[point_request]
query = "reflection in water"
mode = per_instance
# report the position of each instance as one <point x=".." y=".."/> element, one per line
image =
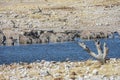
<point x="54" y="52"/>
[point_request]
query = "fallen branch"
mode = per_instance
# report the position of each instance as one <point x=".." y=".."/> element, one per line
<point x="101" y="56"/>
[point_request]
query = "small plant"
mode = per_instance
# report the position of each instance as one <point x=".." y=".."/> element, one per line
<point x="101" y="56"/>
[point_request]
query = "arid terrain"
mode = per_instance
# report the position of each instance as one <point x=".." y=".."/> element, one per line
<point x="59" y="15"/>
<point x="45" y="70"/>
<point x="88" y="17"/>
<point x="43" y="21"/>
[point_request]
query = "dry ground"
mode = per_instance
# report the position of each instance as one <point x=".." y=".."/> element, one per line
<point x="95" y="15"/>
<point x="60" y="70"/>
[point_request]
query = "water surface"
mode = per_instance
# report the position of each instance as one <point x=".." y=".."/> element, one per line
<point x="54" y="51"/>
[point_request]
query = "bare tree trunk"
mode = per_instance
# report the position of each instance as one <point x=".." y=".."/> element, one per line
<point x="101" y="56"/>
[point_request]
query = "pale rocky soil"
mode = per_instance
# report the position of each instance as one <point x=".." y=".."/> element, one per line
<point x="45" y="70"/>
<point x="60" y="15"/>
<point x="88" y="16"/>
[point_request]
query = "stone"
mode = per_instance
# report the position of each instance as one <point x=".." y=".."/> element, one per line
<point x="2" y="38"/>
<point x="44" y="38"/>
<point x="112" y="78"/>
<point x="86" y="77"/>
<point x="13" y="15"/>
<point x="44" y="73"/>
<point x="42" y="61"/>
<point x="79" y="78"/>
<point x="24" y="40"/>
<point x="9" y="42"/>
<point x="95" y="72"/>
<point x="59" y="78"/>
<point x="53" y="38"/>
<point x="46" y="64"/>
<point x="56" y="75"/>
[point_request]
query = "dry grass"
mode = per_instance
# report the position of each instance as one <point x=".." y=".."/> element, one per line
<point x="76" y="69"/>
<point x="95" y="15"/>
<point x="35" y="16"/>
<point x="32" y="5"/>
<point x="61" y="8"/>
<point x="61" y="5"/>
<point x="106" y="2"/>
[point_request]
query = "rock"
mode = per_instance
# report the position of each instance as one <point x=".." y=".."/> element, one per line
<point x="73" y="73"/>
<point x="24" y="40"/>
<point x="2" y="77"/>
<point x="24" y="74"/>
<point x="46" y="64"/>
<point x="86" y="77"/>
<point x="34" y="41"/>
<point x="72" y="78"/>
<point x="112" y="78"/>
<point x="2" y="38"/>
<point x="79" y="78"/>
<point x="53" y="62"/>
<point x="53" y="38"/>
<point x="44" y="38"/>
<point x="56" y="75"/>
<point x="9" y="42"/>
<point x="58" y="78"/>
<point x="90" y="75"/>
<point x="93" y="35"/>
<point x="44" y="73"/>
<point x="105" y="78"/>
<point x="2" y="15"/>
<point x="88" y="68"/>
<point x="85" y="34"/>
<point x="61" y="37"/>
<point x="71" y="36"/>
<point x="42" y="61"/>
<point x="95" y="72"/>
<point x="13" y="15"/>
<point x="33" y="33"/>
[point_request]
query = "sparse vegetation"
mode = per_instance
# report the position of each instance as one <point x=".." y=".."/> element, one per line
<point x="37" y="17"/>
<point x="61" y="70"/>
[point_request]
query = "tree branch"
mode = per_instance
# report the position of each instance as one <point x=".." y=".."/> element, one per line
<point x="88" y="50"/>
<point x="101" y="56"/>
<point x="97" y="43"/>
<point x="105" y="52"/>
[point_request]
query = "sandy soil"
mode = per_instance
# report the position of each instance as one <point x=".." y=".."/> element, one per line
<point x="44" y="70"/>
<point x="60" y="15"/>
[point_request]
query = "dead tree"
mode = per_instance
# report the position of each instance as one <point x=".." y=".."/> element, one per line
<point x="101" y="56"/>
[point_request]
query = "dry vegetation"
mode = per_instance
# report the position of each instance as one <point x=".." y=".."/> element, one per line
<point x="80" y="14"/>
<point x="61" y="70"/>
<point x="95" y="15"/>
<point x="17" y="6"/>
